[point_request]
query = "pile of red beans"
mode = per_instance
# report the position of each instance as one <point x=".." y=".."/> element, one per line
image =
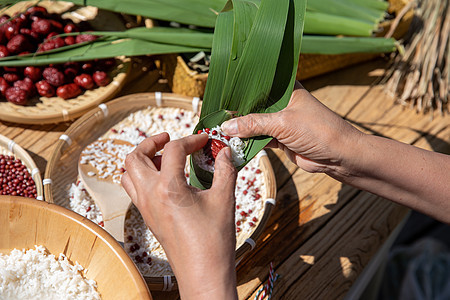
<point x="15" y="180"/>
<point x="36" y="30"/>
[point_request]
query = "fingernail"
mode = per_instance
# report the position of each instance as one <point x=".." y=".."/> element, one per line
<point x="230" y="127"/>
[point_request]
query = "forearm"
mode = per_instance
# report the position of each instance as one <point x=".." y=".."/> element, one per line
<point x="407" y="175"/>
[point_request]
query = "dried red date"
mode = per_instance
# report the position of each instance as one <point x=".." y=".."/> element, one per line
<point x="42" y="26"/>
<point x="13" y="69"/>
<point x="69" y="40"/>
<point x="33" y="36"/>
<point x="70" y="27"/>
<point x="87" y="67"/>
<point x="27" y="85"/>
<point x="3" y="85"/>
<point x="85" y="38"/>
<point x="50" y="45"/>
<point x="101" y="78"/>
<point x="105" y="64"/>
<point x="56" y="26"/>
<point x="37" y="8"/>
<point x="68" y="91"/>
<point x="11" y="77"/>
<point x="34" y="73"/>
<point x="53" y="76"/>
<point x="85" y="81"/>
<point x="10" y="30"/>
<point x="18" y="44"/>
<point x="45" y="89"/>
<point x="16" y="95"/>
<point x="3" y="51"/>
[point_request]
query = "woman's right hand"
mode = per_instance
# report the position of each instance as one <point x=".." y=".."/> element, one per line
<point x="314" y="145"/>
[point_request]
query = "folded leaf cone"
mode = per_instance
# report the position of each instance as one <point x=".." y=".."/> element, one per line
<point x="254" y="58"/>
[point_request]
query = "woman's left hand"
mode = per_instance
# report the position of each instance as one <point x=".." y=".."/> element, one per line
<point x="196" y="228"/>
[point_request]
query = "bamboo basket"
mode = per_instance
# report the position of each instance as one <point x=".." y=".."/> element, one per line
<point x="43" y="110"/>
<point x="61" y="169"/>
<point x="9" y="147"/>
<point x="185" y="81"/>
<point x="26" y="222"/>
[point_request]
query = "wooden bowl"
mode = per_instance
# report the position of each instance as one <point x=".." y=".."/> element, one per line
<point x="9" y="147"/>
<point x="27" y="222"/>
<point x="62" y="171"/>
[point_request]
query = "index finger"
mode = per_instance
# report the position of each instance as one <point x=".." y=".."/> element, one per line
<point x="141" y="158"/>
<point x="175" y="152"/>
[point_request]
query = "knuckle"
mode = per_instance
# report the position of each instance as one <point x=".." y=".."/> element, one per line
<point x="130" y="159"/>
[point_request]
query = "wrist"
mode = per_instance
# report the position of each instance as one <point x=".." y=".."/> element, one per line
<point x="351" y="149"/>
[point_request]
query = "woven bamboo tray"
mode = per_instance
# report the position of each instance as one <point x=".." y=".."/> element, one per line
<point x="61" y="169"/>
<point x="26" y="222"/>
<point x="43" y="110"/>
<point x="9" y="147"/>
<point x="185" y="81"/>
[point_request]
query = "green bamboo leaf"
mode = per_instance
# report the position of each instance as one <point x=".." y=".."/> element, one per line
<point x="327" y="24"/>
<point x="164" y="35"/>
<point x="199" y="177"/>
<point x="103" y="49"/>
<point x="346" y="9"/>
<point x="265" y="74"/>
<point x="223" y="34"/>
<point x="195" y="12"/>
<point x="342" y="45"/>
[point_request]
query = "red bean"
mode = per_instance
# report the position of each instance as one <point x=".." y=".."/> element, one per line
<point x="13" y="183"/>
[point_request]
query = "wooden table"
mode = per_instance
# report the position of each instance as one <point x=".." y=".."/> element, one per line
<point x="322" y="233"/>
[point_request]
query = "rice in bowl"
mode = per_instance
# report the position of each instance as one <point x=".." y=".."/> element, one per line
<point x="37" y="274"/>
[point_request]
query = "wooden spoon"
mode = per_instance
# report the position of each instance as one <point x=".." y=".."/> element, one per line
<point x="107" y="192"/>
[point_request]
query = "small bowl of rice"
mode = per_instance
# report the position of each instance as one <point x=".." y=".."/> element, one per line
<point x="50" y="252"/>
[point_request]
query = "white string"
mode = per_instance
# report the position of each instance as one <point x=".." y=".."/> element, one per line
<point x="168" y="285"/>
<point x="158" y="98"/>
<point x="65" y="114"/>
<point x="271" y="201"/>
<point x="66" y="138"/>
<point x="34" y="172"/>
<point x="104" y="108"/>
<point x="251" y="242"/>
<point x="11" y="145"/>
<point x="195" y="103"/>
<point x="47" y="181"/>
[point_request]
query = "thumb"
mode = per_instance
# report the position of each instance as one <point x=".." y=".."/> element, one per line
<point x="224" y="173"/>
<point x="250" y="125"/>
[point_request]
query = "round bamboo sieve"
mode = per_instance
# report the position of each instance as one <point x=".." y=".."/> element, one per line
<point x="45" y="110"/>
<point x="26" y="222"/>
<point x="9" y="147"/>
<point x="61" y="169"/>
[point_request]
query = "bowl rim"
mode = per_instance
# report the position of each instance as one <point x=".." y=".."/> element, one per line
<point x="90" y="226"/>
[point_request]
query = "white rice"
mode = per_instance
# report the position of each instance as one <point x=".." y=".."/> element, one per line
<point x="36" y="274"/>
<point x="236" y="145"/>
<point x="140" y="243"/>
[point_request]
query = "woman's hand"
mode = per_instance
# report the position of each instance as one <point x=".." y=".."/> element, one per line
<point x="196" y="228"/>
<point x="318" y="140"/>
<point x="310" y="134"/>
